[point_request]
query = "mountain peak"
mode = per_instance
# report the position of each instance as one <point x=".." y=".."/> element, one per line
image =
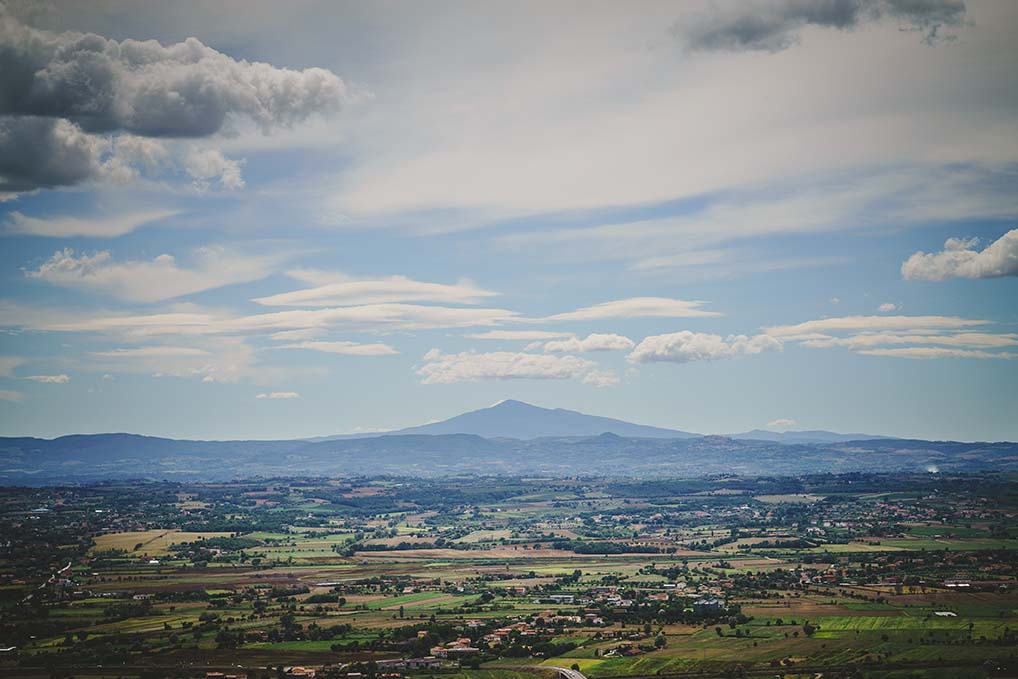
<point x="510" y="418"/>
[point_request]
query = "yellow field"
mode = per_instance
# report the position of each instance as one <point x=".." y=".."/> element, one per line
<point x="792" y="498"/>
<point x="153" y="542"/>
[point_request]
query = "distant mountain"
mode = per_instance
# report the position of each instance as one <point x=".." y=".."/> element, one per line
<point x="814" y="436"/>
<point x="519" y="420"/>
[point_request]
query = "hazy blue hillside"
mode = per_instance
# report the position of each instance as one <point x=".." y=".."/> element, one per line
<point x="813" y="436"/>
<point x="99" y="457"/>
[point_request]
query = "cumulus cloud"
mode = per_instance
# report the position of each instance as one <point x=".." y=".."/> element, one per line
<point x="782" y="424"/>
<point x="347" y="348"/>
<point x="97" y="227"/>
<point x="601" y="378"/>
<point x="279" y="395"/>
<point x="960" y="258"/>
<point x="64" y="97"/>
<point x="887" y="307"/>
<point x="185" y="89"/>
<point x="11" y="395"/>
<point x="774" y="25"/>
<point x="208" y="165"/>
<point x="686" y="347"/>
<point x="472" y="366"/>
<point x="593" y="342"/>
<point x="49" y="379"/>
<point x="157" y="279"/>
<point x="331" y="289"/>
<point x="636" y="307"/>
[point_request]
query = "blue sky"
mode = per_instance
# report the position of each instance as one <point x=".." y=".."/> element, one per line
<point x="712" y="217"/>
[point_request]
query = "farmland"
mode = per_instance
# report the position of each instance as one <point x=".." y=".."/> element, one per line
<point x="857" y="575"/>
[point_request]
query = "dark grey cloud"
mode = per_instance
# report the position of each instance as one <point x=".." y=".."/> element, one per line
<point x="43" y="152"/>
<point x="63" y="96"/>
<point x="773" y="25"/>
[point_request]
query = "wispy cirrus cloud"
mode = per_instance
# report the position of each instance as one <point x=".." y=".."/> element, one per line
<point x="927" y="353"/>
<point x="63" y="226"/>
<point x="927" y="337"/>
<point x="346" y="348"/>
<point x="332" y="289"/>
<point x="636" y="307"/>
<point x="49" y="379"/>
<point x="519" y="335"/>
<point x="153" y="280"/>
<point x="774" y="25"/>
<point x="472" y="366"/>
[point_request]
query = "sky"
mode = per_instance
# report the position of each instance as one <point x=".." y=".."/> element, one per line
<point x="277" y="220"/>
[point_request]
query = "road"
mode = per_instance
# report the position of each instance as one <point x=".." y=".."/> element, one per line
<point x="563" y="672"/>
<point x="49" y="581"/>
<point x="566" y="673"/>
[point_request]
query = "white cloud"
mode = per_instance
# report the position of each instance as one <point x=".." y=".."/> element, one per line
<point x="8" y="364"/>
<point x="471" y="366"/>
<point x="157" y="279"/>
<point x="49" y="379"/>
<point x="865" y="323"/>
<point x="347" y="348"/>
<point x="593" y="342"/>
<point x="636" y="307"/>
<point x="205" y="165"/>
<point x="522" y="335"/>
<point x="195" y="321"/>
<point x="96" y="227"/>
<point x="686" y="347"/>
<point x="782" y="424"/>
<point x="210" y="359"/>
<point x="874" y="339"/>
<point x="887" y="307"/>
<point x="961" y="259"/>
<point x="937" y="352"/>
<point x="601" y="378"/>
<point x="11" y="395"/>
<point x="815" y="205"/>
<point x="926" y="337"/>
<point x="279" y="395"/>
<point x="160" y="351"/>
<point x="337" y="290"/>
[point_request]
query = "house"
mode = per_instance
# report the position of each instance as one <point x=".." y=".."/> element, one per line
<point x="708" y="605"/>
<point x="426" y="663"/>
<point x="391" y="664"/>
